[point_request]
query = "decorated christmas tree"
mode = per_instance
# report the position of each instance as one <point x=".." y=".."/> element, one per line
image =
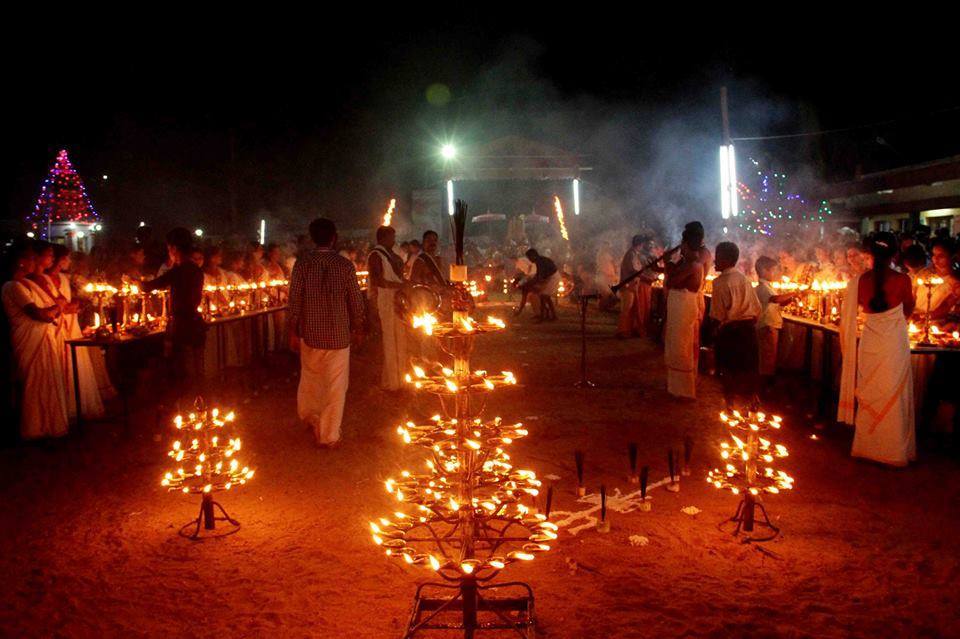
<point x="63" y="198"/>
<point x="769" y="205"/>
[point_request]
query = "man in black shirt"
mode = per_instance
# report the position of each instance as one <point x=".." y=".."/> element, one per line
<point x="185" y="330"/>
<point x="544" y="283"/>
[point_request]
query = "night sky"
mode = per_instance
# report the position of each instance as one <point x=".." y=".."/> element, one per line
<point x="218" y="123"/>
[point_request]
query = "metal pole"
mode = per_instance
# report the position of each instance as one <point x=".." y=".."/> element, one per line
<point x="725" y="115"/>
<point x="468" y="590"/>
<point x="583" y="382"/>
<point x="209" y="521"/>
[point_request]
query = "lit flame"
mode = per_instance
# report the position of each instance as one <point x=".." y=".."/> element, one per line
<point x="425" y="322"/>
<point x="388" y="216"/>
<point x="563" y="225"/>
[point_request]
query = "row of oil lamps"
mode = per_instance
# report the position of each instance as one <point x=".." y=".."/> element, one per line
<point x="237" y="299"/>
<point x="125" y="309"/>
<point x="821" y="301"/>
<point x="128" y="309"/>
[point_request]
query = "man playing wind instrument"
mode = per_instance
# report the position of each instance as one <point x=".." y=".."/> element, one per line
<point x="684" y="284"/>
<point x="635" y="296"/>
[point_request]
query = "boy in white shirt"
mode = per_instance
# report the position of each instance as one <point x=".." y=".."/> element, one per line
<point x="770" y="322"/>
<point x="735" y="308"/>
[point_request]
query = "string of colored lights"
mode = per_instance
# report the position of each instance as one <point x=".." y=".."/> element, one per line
<point x="770" y="207"/>
<point x="63" y="198"/>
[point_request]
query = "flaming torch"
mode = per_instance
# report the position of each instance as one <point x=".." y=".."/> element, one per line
<point x="470" y="513"/>
<point x="563" y="225"/>
<point x="205" y="459"/>
<point x="749" y="469"/>
<point x="388" y="216"/>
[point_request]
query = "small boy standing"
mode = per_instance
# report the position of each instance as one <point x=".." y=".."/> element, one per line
<point x="735" y="308"/>
<point x="771" y="321"/>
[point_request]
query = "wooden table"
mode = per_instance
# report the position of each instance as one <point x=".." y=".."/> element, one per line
<point x="122" y="340"/>
<point x="829" y="334"/>
<point x="258" y="318"/>
<point x="119" y="340"/>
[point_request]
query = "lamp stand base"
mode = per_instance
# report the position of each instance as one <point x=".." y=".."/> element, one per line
<point x="208" y="518"/>
<point x="747" y="521"/>
<point x="467" y="609"/>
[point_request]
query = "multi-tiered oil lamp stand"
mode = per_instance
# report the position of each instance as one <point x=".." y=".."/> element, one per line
<point x="748" y="470"/>
<point x="512" y="609"/>
<point x="470" y="515"/>
<point x="750" y="502"/>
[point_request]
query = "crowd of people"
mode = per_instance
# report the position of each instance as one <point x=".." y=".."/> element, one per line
<point x="744" y="320"/>
<point x="328" y="312"/>
<point x="882" y="276"/>
<point x="832" y="260"/>
<point x="46" y="304"/>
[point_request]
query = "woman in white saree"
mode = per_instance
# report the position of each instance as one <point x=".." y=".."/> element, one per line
<point x="58" y="284"/>
<point x="38" y="354"/>
<point x="876" y="390"/>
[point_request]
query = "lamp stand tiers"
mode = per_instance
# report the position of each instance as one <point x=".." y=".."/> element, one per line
<point x="748" y="471"/>
<point x="477" y="612"/>
<point x="747" y="521"/>
<point x="208" y="518"/>
<point x="466" y="519"/>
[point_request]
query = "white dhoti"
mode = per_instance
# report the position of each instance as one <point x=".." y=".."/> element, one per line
<point x="552" y="285"/>
<point x="394" y="337"/>
<point x="848" y="353"/>
<point x="682" y="342"/>
<point x="324" y="377"/>
<point x="884" y="391"/>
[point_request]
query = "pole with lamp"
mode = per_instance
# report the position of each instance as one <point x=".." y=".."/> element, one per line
<point x="729" y="205"/>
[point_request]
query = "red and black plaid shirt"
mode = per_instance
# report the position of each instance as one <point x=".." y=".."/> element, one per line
<point x="325" y="300"/>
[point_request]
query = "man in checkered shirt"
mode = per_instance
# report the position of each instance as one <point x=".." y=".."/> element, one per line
<point x="325" y="309"/>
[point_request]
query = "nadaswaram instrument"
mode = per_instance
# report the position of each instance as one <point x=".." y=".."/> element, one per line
<point x="616" y="287"/>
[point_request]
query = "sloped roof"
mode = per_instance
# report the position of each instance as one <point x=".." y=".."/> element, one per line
<point x="517" y="158"/>
<point x="931" y="185"/>
<point x="902" y="177"/>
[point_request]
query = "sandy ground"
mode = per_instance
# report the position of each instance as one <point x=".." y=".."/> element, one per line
<point x="89" y="544"/>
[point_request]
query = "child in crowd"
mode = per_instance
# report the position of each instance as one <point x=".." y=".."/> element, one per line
<point x="771" y="321"/>
<point x="735" y="308"/>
